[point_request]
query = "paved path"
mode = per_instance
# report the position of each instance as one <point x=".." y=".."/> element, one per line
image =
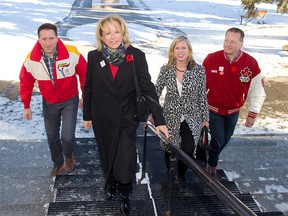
<point x="82" y="13"/>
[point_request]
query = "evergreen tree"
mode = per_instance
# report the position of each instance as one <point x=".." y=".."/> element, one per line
<point x="250" y="5"/>
<point x="282" y="6"/>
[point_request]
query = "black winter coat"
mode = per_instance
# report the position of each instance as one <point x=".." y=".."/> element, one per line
<point x="111" y="105"/>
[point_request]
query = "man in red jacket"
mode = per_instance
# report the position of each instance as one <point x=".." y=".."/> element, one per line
<point x="232" y="76"/>
<point x="55" y="67"/>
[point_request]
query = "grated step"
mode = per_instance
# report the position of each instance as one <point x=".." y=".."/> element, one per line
<point x="194" y="189"/>
<point x="96" y="180"/>
<point x="103" y="208"/>
<point x="85" y="151"/>
<point x="140" y="192"/>
<point x="201" y="205"/>
<point x="270" y="214"/>
<point x="86" y="169"/>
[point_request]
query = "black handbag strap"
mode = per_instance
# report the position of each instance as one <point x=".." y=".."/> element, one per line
<point x="204" y="135"/>
<point x="138" y="89"/>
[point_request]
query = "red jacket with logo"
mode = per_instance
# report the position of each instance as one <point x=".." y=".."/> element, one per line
<point x="230" y="84"/>
<point x="68" y="65"/>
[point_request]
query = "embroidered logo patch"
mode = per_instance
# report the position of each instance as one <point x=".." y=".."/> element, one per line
<point x="63" y="68"/>
<point x="221" y="70"/>
<point x="245" y="75"/>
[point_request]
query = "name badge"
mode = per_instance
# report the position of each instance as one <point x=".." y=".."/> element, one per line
<point x="102" y="63"/>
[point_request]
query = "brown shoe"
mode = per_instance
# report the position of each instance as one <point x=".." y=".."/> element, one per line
<point x="56" y="170"/>
<point x="69" y="163"/>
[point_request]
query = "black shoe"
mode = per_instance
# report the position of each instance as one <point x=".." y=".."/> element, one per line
<point x="215" y="175"/>
<point x="111" y="193"/>
<point x="124" y="204"/>
<point x="181" y="182"/>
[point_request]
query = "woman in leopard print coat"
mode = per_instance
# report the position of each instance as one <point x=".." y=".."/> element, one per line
<point x="185" y="106"/>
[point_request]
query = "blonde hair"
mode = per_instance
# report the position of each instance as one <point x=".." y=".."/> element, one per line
<point x="111" y="18"/>
<point x="171" y="58"/>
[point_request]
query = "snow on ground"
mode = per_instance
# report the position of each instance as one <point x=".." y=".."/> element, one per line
<point x="203" y="21"/>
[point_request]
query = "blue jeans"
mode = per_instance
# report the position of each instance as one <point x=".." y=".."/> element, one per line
<point x="62" y="115"/>
<point x="222" y="128"/>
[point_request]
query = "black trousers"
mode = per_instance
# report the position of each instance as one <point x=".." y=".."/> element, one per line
<point x="187" y="145"/>
<point x="125" y="189"/>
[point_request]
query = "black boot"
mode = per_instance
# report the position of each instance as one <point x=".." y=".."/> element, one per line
<point x="181" y="182"/>
<point x="181" y="170"/>
<point x="111" y="193"/>
<point x="124" y="204"/>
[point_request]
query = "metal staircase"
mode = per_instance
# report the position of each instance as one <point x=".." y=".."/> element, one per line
<point x="81" y="193"/>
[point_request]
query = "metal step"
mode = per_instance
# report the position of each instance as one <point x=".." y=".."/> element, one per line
<point x="201" y="205"/>
<point x="68" y="194"/>
<point x="79" y="181"/>
<point x="86" y="151"/>
<point x="103" y="208"/>
<point x="86" y="169"/>
<point x="270" y="214"/>
<point x="181" y="205"/>
<point x="194" y="189"/>
<point x="199" y="199"/>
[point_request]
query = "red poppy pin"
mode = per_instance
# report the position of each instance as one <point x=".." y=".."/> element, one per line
<point x="129" y="58"/>
<point x="233" y="69"/>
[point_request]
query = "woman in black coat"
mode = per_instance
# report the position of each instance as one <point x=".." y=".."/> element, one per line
<point x="110" y="104"/>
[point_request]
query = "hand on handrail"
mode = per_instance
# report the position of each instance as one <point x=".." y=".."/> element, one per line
<point x="160" y="134"/>
<point x="162" y="129"/>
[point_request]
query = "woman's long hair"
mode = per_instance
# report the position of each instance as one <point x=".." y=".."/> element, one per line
<point x="110" y="18"/>
<point x="171" y="58"/>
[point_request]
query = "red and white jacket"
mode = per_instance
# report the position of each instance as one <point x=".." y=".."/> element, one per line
<point x="69" y="63"/>
<point x="230" y="84"/>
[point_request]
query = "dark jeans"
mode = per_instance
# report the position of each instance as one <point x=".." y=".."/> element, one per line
<point x="62" y="115"/>
<point x="222" y="128"/>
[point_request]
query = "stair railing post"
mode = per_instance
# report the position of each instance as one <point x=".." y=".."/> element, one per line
<point x="143" y="173"/>
<point x="170" y="179"/>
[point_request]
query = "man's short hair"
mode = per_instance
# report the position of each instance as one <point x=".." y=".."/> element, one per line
<point x="236" y="30"/>
<point x="47" y="26"/>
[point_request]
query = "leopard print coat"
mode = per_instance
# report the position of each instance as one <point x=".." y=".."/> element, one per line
<point x="192" y="104"/>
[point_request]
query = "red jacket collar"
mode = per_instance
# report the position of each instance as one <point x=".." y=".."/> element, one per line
<point x="36" y="53"/>
<point x="237" y="57"/>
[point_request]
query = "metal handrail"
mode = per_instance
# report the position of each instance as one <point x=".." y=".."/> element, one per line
<point x="237" y="206"/>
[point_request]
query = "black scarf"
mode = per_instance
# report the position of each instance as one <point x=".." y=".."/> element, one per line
<point x="114" y="58"/>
